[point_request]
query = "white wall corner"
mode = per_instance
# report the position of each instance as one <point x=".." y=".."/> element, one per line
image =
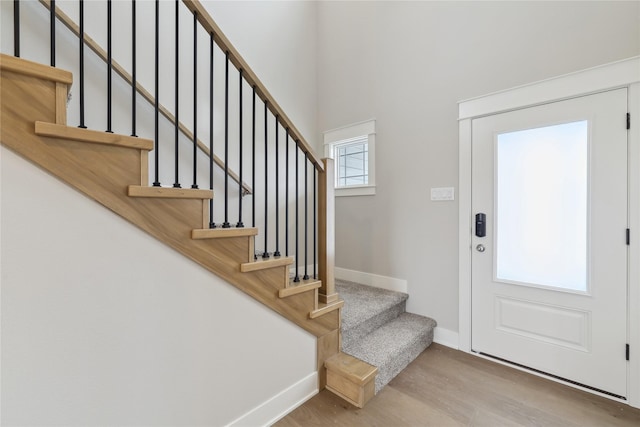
<point x="375" y="280"/>
<point x="281" y="404"/>
<point x="445" y="337"/>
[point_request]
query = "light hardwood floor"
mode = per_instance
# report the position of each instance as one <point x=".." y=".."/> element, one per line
<point x="446" y="387"/>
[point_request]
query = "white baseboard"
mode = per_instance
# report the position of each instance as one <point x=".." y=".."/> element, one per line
<point x="281" y="404"/>
<point x="375" y="280"/>
<point x="445" y="337"/>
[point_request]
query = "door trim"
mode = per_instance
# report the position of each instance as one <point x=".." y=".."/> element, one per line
<point x="597" y="79"/>
<point x="625" y="73"/>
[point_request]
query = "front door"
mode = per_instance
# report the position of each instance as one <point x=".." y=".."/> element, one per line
<point x="549" y="263"/>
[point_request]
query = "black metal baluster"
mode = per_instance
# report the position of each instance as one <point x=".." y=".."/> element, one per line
<point x="297" y="277"/>
<point x="266" y="181"/>
<point x="211" y="223"/>
<point x="253" y="160"/>
<point x="286" y="195"/>
<point x="195" y="101"/>
<point x="241" y="81"/>
<point x="226" y="144"/>
<point x="133" y="68"/>
<point x="277" y="252"/>
<point x="81" y="65"/>
<point x="156" y="183"/>
<point x="306" y="217"/>
<point x="52" y="19"/>
<point x="315" y="223"/>
<point x="16" y="28"/>
<point x="176" y="127"/>
<point x="109" y="66"/>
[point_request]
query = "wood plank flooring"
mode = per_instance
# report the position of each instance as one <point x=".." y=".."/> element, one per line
<point x="446" y="387"/>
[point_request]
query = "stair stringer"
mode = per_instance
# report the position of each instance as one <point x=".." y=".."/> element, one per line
<point x="104" y="173"/>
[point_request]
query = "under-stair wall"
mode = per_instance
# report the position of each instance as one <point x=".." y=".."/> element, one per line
<point x="103" y="325"/>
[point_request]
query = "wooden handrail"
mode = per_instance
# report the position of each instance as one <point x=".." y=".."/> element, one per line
<point x="234" y="56"/>
<point x="95" y="47"/>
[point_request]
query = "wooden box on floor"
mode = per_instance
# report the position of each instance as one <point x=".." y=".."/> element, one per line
<point x="351" y="378"/>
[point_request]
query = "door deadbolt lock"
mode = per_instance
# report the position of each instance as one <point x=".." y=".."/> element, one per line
<point x="480" y="248"/>
<point x="481" y="225"/>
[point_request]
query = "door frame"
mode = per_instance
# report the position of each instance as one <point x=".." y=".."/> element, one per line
<point x="620" y="74"/>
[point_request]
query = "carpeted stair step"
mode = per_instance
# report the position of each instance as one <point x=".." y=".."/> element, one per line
<point x="367" y="308"/>
<point x="377" y="330"/>
<point x="394" y="345"/>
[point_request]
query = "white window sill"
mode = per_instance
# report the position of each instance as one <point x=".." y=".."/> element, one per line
<point x="362" y="190"/>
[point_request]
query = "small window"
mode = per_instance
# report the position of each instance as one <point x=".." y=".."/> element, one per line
<point x="352" y="163"/>
<point x="352" y="148"/>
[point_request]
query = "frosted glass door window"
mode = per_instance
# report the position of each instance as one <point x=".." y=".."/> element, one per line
<point x="541" y="206"/>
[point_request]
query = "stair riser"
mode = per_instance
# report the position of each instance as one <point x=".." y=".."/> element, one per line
<point x="359" y="331"/>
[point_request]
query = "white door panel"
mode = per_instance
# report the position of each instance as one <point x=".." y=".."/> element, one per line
<point x="549" y="289"/>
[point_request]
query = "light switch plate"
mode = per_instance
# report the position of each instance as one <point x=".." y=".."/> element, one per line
<point x="442" y="194"/>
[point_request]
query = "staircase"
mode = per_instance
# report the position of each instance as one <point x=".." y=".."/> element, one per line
<point x="377" y="336"/>
<point x="376" y="330"/>
<point x="112" y="170"/>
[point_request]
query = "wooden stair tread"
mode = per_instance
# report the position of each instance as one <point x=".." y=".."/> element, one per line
<point x="262" y="264"/>
<point x="326" y="308"/>
<point x="351" y="367"/>
<point x="34" y="69"/>
<point x="91" y="136"/>
<point x="295" y="288"/>
<point x="221" y="233"/>
<point x="169" y="192"/>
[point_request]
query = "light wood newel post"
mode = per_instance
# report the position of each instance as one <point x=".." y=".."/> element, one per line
<point x="326" y="233"/>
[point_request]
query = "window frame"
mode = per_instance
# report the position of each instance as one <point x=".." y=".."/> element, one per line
<point x="359" y="132"/>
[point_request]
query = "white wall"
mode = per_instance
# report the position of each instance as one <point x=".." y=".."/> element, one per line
<point x="406" y="64"/>
<point x="102" y="325"/>
<point x="278" y="39"/>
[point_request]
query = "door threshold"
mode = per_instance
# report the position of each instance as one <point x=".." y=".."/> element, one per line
<point x="552" y="377"/>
